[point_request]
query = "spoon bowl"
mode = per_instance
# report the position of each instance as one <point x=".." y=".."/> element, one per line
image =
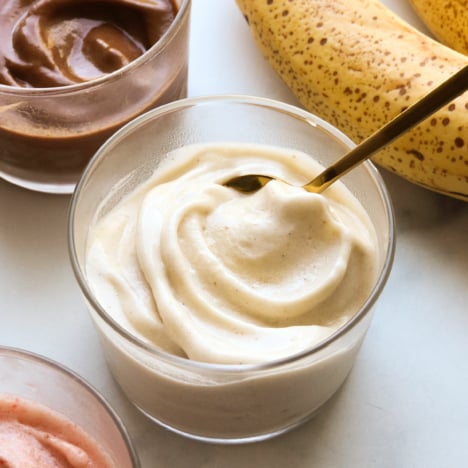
<point x="406" y="120"/>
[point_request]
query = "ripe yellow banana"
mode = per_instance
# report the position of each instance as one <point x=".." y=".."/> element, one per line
<point x="357" y="65"/>
<point x="447" y="20"/>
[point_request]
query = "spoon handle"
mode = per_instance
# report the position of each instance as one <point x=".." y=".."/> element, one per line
<point x="434" y="100"/>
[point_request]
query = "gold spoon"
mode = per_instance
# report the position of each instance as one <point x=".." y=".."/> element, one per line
<point x="434" y="100"/>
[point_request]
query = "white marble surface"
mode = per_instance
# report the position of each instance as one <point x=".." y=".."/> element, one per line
<point x="406" y="401"/>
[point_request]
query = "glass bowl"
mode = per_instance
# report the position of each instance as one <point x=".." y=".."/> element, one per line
<point x="33" y="377"/>
<point x="48" y="135"/>
<point x="215" y="402"/>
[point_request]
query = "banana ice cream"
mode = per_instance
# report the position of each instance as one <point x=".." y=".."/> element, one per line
<point x="211" y="274"/>
<point x="215" y="304"/>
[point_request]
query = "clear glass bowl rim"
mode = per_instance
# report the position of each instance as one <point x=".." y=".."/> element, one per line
<point x="274" y="105"/>
<point x="23" y="354"/>
<point x="155" y="49"/>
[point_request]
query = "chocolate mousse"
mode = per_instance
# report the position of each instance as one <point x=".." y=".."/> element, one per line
<point x="47" y="136"/>
<point x="46" y="43"/>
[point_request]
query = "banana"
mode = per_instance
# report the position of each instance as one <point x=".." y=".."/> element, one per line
<point x="357" y="65"/>
<point x="446" y="19"/>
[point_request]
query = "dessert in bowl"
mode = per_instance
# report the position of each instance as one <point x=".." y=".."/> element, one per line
<point x="73" y="73"/>
<point x="49" y="416"/>
<point x="225" y="316"/>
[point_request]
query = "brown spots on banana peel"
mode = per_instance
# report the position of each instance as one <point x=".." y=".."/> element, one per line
<point x="447" y="20"/>
<point x="357" y="65"/>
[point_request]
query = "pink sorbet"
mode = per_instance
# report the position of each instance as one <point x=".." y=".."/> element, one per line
<point x="34" y="436"/>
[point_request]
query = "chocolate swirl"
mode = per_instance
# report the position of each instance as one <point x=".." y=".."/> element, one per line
<point x="47" y="43"/>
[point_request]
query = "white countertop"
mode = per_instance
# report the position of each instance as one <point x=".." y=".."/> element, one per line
<point x="405" y="403"/>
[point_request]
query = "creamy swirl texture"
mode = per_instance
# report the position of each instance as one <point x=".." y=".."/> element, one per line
<point x="46" y="43"/>
<point x="32" y="435"/>
<point x="211" y="274"/>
